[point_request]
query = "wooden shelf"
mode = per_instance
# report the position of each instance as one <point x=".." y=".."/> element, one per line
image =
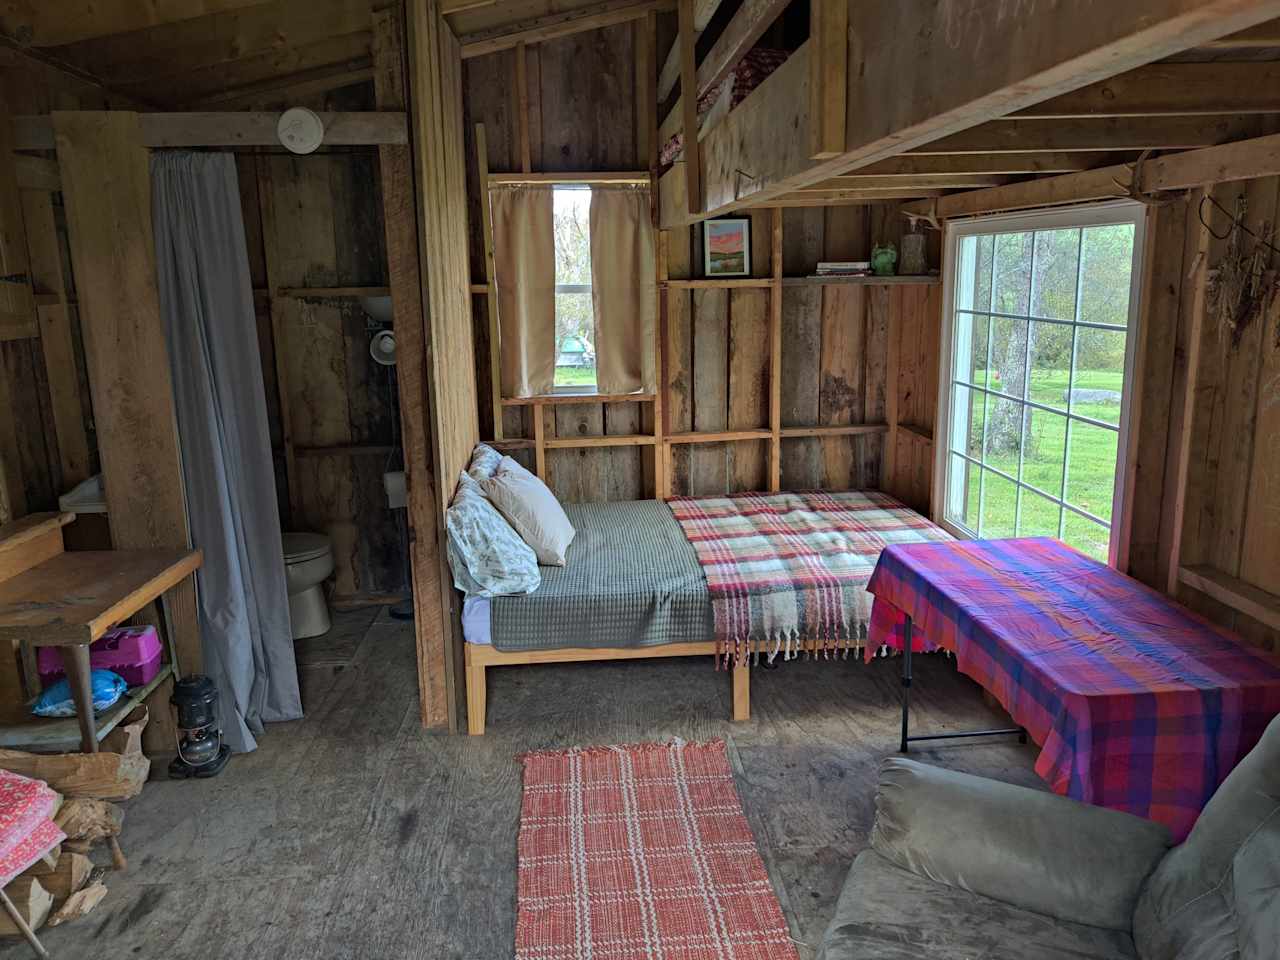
<point x="721" y="437"/>
<point x="561" y="398"/>
<point x="1233" y="592"/>
<point x="920" y="433"/>
<point x="863" y="281"/>
<point x="332" y="293"/>
<point x="617" y="440"/>
<point x="723" y="283"/>
<point x="62" y="734"/>
<point x="842" y="430"/>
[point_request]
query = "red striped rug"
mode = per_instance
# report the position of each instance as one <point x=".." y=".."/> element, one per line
<point x="641" y="852"/>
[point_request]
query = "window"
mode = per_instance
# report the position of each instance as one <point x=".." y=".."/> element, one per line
<point x="575" y="323"/>
<point x="1040" y="340"/>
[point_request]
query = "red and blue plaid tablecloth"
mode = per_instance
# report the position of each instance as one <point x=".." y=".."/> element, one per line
<point x="1138" y="704"/>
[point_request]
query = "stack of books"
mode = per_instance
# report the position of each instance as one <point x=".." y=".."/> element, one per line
<point x="844" y="268"/>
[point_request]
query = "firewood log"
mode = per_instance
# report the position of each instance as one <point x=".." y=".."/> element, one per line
<point x="103" y="776"/>
<point x="79" y="903"/>
<point x="84" y="819"/>
<point x="69" y="875"/>
<point x="33" y="902"/>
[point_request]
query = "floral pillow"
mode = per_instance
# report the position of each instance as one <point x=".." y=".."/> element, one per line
<point x="488" y="557"/>
<point x="484" y="462"/>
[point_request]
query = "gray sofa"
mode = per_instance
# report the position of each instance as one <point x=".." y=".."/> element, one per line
<point x="965" y="868"/>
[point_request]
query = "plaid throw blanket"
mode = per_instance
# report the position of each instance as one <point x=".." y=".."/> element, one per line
<point x="787" y="570"/>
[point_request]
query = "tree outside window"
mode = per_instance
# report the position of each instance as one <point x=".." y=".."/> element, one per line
<point x="575" y="320"/>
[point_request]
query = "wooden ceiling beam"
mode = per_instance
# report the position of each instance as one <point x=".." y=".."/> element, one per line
<point x="306" y="83"/>
<point x="231" y="130"/>
<point x="143" y="55"/>
<point x="935" y="181"/>
<point x="913" y="165"/>
<point x="53" y="23"/>
<point x="1171" y="89"/>
<point x="1263" y="35"/>
<point x="1107" y="133"/>
<point x="965" y="71"/>
<point x="748" y="25"/>
<point x="189" y="88"/>
<point x="1245" y="160"/>
<point x="703" y="11"/>
<point x="555" y="25"/>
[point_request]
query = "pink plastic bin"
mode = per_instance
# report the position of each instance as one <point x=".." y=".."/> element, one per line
<point x="132" y="652"/>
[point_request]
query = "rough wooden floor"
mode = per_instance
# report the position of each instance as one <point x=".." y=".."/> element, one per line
<point x="351" y="834"/>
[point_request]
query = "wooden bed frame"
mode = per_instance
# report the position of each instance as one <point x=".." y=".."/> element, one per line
<point x="480" y="656"/>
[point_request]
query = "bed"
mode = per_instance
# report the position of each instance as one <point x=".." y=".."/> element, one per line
<point x="653" y="579"/>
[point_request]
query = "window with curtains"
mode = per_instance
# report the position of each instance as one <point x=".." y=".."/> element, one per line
<point x="1040" y="339"/>
<point x="575" y="317"/>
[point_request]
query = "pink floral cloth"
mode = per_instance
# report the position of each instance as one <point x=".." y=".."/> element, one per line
<point x="26" y="832"/>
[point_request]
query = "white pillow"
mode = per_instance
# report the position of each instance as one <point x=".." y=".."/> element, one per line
<point x="532" y="510"/>
<point x="488" y="557"/>
<point x="484" y="462"/>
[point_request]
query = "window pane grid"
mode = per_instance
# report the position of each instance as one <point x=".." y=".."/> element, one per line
<point x="1021" y="285"/>
<point x="1091" y="324"/>
<point x="1035" y="404"/>
<point x="986" y="468"/>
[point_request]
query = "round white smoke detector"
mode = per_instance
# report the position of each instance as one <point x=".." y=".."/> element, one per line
<point x="383" y="348"/>
<point x="300" y="130"/>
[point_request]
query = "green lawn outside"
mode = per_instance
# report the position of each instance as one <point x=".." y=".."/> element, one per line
<point x="575" y="376"/>
<point x="1089" y="464"/>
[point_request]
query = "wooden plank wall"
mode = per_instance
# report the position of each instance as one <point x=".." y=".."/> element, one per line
<point x="316" y="222"/>
<point x="1229" y="529"/>
<point x="42" y="372"/>
<point x="835" y="339"/>
<point x="571" y="125"/>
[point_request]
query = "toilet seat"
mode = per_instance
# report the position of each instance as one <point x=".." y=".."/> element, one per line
<point x="301" y="547"/>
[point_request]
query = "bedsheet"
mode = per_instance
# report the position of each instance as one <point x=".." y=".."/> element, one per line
<point x="631" y="579"/>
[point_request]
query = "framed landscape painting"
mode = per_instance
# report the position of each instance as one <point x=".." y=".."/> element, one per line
<point x="726" y="247"/>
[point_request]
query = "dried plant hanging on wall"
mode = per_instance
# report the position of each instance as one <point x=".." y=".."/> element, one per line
<point x="1241" y="288"/>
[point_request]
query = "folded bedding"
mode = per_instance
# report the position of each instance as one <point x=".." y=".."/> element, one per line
<point x="631" y="578"/>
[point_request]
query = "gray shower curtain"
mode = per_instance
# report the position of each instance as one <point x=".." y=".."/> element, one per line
<point x="206" y="298"/>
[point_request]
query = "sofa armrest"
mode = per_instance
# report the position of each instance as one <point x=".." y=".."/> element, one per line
<point x="1030" y="848"/>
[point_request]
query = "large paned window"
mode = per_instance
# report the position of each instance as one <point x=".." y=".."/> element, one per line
<point x="1040" y="336"/>
<point x="575" y="320"/>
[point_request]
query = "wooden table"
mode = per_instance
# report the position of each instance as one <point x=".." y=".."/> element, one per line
<point x="50" y="598"/>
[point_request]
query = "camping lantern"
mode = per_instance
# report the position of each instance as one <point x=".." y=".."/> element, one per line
<point x="201" y="752"/>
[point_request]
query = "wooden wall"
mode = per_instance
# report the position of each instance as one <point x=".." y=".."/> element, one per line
<point x="837" y="339"/>
<point x="47" y="443"/>
<point x="1205" y="507"/>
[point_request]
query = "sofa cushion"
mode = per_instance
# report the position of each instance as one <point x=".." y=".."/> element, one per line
<point x="1030" y="848"/>
<point x="887" y="913"/>
<point x="1218" y="895"/>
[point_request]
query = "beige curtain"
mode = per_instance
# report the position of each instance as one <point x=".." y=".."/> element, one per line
<point x="623" y="289"/>
<point x="524" y="265"/>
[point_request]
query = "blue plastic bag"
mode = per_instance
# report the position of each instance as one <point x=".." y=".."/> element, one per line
<point x="56" y="701"/>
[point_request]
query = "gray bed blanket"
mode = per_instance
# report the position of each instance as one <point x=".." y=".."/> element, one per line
<point x="632" y="580"/>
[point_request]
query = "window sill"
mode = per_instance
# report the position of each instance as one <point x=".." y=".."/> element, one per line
<point x="578" y="398"/>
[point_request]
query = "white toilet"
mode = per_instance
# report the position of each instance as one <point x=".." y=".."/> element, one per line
<point x="308" y="561"/>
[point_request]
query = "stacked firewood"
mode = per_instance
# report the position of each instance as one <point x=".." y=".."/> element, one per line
<point x="66" y="883"/>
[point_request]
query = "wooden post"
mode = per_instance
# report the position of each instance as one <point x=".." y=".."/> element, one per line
<point x="56" y="340"/>
<point x="399" y="205"/>
<point x="775" y="354"/>
<point x="689" y="106"/>
<point x="828" y="76"/>
<point x="889" y="460"/>
<point x="106" y="187"/>
<point x="522" y="110"/>
<point x="491" y="296"/>
<point x="1182" y="410"/>
<point x="662" y="409"/>
<point x="17" y="316"/>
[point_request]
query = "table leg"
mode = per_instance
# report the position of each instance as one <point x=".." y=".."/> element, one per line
<point x="906" y="679"/>
<point x="75" y="659"/>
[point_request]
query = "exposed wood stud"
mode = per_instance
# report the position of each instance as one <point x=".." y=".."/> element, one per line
<point x="689" y="108"/>
<point x="491" y="303"/>
<point x="828" y="77"/>
<point x="775" y="353"/>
